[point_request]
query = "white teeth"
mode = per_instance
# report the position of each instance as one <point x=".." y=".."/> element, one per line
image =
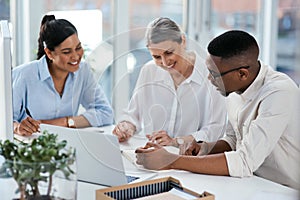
<point x="170" y="66"/>
<point x="74" y="63"/>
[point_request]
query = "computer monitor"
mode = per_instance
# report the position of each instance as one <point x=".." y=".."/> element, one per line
<point x="6" y="110"/>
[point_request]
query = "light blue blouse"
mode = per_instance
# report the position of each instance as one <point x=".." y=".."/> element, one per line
<point x="33" y="89"/>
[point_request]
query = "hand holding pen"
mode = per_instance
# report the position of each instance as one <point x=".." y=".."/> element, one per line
<point x="27" y="126"/>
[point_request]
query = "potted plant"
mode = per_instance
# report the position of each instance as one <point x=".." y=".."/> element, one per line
<point x="33" y="165"/>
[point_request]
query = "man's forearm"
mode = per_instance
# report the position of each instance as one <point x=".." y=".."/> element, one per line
<point x="209" y="164"/>
<point x="218" y="147"/>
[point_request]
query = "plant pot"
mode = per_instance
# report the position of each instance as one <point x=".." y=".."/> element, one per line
<point x="42" y="197"/>
<point x="39" y="181"/>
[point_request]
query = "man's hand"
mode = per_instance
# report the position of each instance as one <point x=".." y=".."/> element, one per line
<point x="27" y="127"/>
<point x="161" y="138"/>
<point x="124" y="130"/>
<point x="155" y="157"/>
<point x="192" y="148"/>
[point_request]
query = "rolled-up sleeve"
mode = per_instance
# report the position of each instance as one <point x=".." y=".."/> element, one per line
<point x="235" y="159"/>
<point x="259" y="135"/>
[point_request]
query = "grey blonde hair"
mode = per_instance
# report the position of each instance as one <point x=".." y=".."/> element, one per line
<point x="163" y="29"/>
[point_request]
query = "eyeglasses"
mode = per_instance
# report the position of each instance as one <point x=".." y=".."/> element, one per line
<point x="216" y="75"/>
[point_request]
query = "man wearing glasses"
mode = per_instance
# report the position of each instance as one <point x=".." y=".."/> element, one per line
<point x="262" y="136"/>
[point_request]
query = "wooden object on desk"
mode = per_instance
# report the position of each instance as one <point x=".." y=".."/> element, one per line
<point x="146" y="189"/>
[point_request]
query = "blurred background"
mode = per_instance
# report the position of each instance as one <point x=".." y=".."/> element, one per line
<point x="112" y="32"/>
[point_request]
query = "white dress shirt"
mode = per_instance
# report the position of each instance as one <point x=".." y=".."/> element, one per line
<point x="195" y="107"/>
<point x="264" y="129"/>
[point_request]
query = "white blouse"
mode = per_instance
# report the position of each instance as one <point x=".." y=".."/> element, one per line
<point x="195" y="107"/>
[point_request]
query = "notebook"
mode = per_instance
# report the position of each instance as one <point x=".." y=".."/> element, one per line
<point x="98" y="156"/>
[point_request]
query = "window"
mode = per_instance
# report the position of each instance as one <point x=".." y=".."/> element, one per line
<point x="231" y="14"/>
<point x="250" y="16"/>
<point x="5" y="10"/>
<point x="91" y="18"/>
<point x="141" y="13"/>
<point x="288" y="43"/>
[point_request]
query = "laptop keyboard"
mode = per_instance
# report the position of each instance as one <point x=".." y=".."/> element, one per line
<point x="131" y="178"/>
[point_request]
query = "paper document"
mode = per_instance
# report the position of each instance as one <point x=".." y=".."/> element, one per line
<point x="26" y="139"/>
<point x="173" y="194"/>
<point x="130" y="155"/>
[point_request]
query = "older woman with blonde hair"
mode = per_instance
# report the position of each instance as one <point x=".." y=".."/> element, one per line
<point x="173" y="101"/>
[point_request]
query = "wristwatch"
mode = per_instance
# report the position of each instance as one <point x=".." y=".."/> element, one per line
<point x="179" y="141"/>
<point x="71" y="122"/>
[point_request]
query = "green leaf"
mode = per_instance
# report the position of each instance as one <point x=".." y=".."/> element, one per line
<point x="36" y="161"/>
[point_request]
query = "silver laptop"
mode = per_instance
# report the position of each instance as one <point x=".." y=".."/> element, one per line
<point x="98" y="156"/>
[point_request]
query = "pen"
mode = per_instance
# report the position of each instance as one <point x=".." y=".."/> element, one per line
<point x="27" y="112"/>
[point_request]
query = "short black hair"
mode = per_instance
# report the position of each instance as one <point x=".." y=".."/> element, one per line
<point x="231" y="43"/>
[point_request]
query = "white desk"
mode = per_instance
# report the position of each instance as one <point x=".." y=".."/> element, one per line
<point x="224" y="188"/>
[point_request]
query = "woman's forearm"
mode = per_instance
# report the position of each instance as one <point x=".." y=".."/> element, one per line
<point x="80" y="121"/>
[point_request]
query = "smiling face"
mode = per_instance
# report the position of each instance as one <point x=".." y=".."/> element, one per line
<point x="169" y="55"/>
<point x="66" y="56"/>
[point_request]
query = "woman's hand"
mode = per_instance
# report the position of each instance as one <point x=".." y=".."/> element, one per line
<point x="161" y="138"/>
<point x="27" y="127"/>
<point x="124" y="130"/>
<point x="155" y="157"/>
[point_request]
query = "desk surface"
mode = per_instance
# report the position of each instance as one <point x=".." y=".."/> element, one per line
<point x="223" y="187"/>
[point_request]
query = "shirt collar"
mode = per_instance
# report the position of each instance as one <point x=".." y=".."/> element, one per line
<point x="251" y="91"/>
<point x="199" y="73"/>
<point x="43" y="68"/>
